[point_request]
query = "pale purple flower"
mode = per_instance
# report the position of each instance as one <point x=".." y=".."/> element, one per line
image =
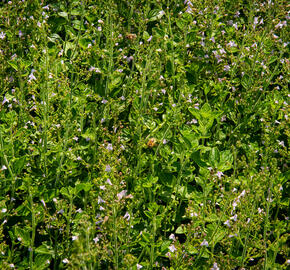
<point x="5" y="100"/>
<point x="232" y="44"/>
<point x="204" y="243"/>
<point x="108" y="168"/>
<point x="172" y="236"/>
<point x="234" y="218"/>
<point x="227" y="68"/>
<point x="149" y="39"/>
<point x="100" y="200"/>
<point x="215" y="267"/>
<point x="96" y="240"/>
<point x="109" y="182"/>
<point x="227" y="223"/>
<point x="2" y="35"/>
<point x="31" y="77"/>
<point x="139" y="266"/>
<point x="3" y="168"/>
<point x="172" y="248"/>
<point x="127" y="216"/>
<point x="109" y="147"/>
<point x="122" y="194"/>
<point x="219" y="174"/>
<point x="99" y="28"/>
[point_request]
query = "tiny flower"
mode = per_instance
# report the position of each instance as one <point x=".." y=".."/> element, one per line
<point x="2" y="35"/>
<point x="215" y="266"/>
<point x="4" y="168"/>
<point x="281" y="143"/>
<point x="227" y="68"/>
<point x="172" y="248"/>
<point x="96" y="240"/>
<point x="108" y="168"/>
<point x="100" y="21"/>
<point x="102" y="208"/>
<point x="234" y="218"/>
<point x="99" y="28"/>
<point x="139" y="266"/>
<point x="172" y="236"/>
<point x="75" y="138"/>
<point x="100" y="200"/>
<point x="122" y="194"/>
<point x="4" y="210"/>
<point x="75" y="237"/>
<point x="204" y="243"/>
<point x="109" y="182"/>
<point x="65" y="260"/>
<point x="227" y="223"/>
<point x="127" y="216"/>
<point x="149" y="39"/>
<point x="219" y="174"/>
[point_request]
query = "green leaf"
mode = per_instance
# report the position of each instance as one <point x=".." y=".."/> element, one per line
<point x="41" y="261"/>
<point x="214" y="157"/>
<point x="18" y="164"/>
<point x="84" y="42"/>
<point x="181" y="230"/>
<point x="164" y="246"/>
<point x="23" y="235"/>
<point x="13" y="64"/>
<point x="44" y="250"/>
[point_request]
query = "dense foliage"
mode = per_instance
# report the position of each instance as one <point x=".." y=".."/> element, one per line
<point x="144" y="134"/>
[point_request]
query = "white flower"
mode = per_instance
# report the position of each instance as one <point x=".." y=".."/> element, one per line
<point x="149" y="39"/>
<point x="75" y="237"/>
<point x="4" y="168"/>
<point x="96" y="240"/>
<point x="99" y="28"/>
<point x="65" y="260"/>
<point x="109" y="181"/>
<point x="4" y="210"/>
<point x="139" y="266"/>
